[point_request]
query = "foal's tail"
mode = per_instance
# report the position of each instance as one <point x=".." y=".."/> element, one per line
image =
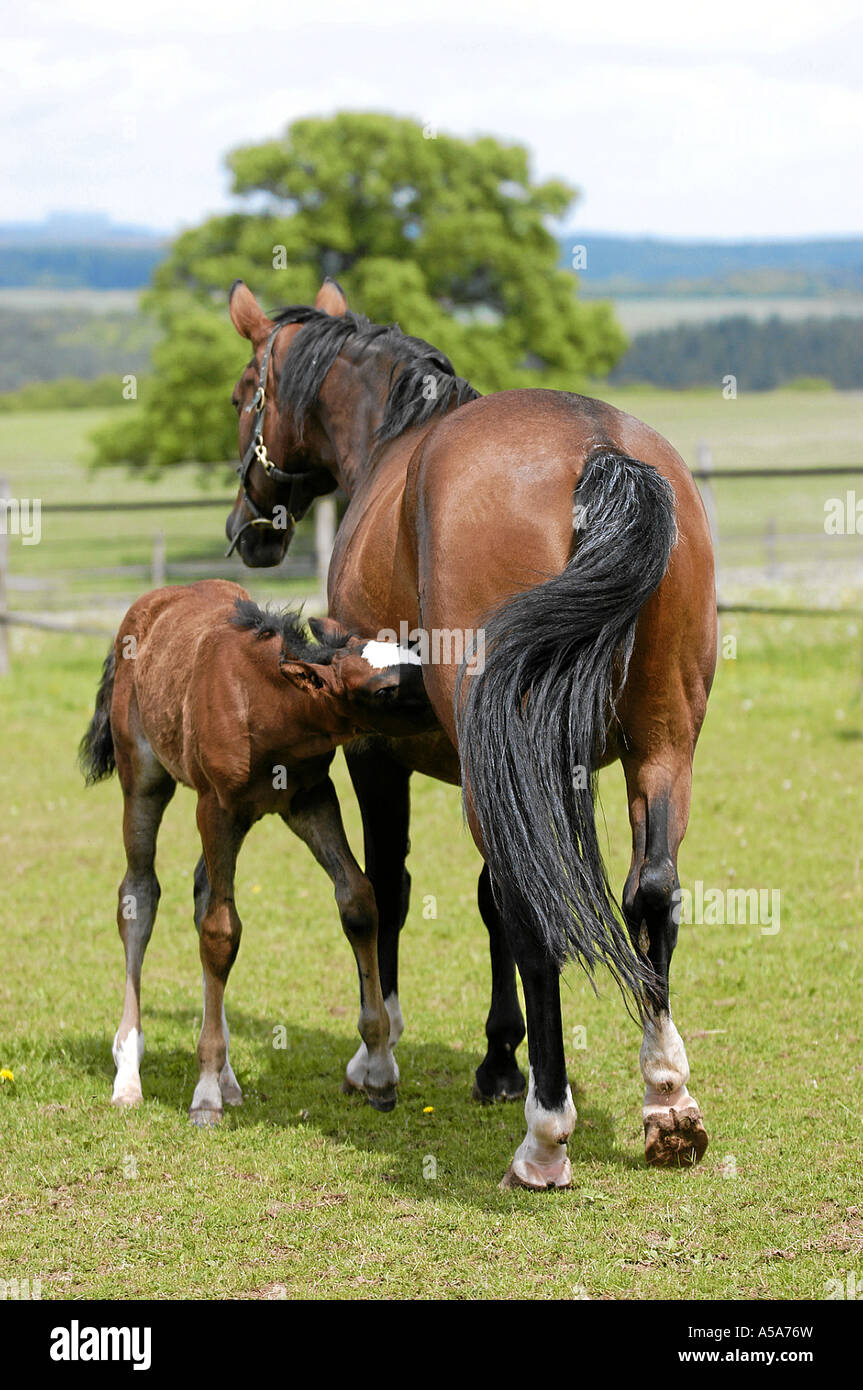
<point x="532" y="726"/>
<point x="96" y="749"/>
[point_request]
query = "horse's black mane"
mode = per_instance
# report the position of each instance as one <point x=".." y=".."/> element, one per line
<point x="289" y="626"/>
<point x="422" y="383"/>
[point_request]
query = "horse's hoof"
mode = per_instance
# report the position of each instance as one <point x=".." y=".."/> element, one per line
<point x="513" y="1089"/>
<point x="674" y="1138"/>
<point x="231" y="1093"/>
<point x="498" y="1082"/>
<point x="537" y="1177"/>
<point x="384" y="1103"/>
<point x="128" y="1097"/>
<point x="204" y="1118"/>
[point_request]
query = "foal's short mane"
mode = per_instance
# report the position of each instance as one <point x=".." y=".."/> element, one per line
<point x="288" y="625"/>
<point x="425" y="386"/>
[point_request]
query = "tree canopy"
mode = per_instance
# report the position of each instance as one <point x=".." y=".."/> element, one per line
<point x="445" y="236"/>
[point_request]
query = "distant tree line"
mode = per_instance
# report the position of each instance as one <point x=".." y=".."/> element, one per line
<point x="760" y="355"/>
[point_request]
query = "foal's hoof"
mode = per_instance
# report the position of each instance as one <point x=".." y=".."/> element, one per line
<point x="490" y="1085"/>
<point x="383" y="1102"/>
<point x="674" y="1138"/>
<point x="537" y="1177"/>
<point x="230" y="1087"/>
<point x="205" y="1119"/>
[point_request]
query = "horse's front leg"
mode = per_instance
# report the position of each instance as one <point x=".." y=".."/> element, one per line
<point x="674" y="1134"/>
<point x="228" y="1084"/>
<point x="315" y="816"/>
<point x="219" y="928"/>
<point x="541" y="1159"/>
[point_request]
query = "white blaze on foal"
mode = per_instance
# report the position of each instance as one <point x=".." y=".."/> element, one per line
<point x="541" y="1159"/>
<point x="379" y="655"/>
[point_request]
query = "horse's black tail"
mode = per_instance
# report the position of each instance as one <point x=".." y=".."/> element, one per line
<point x="96" y="749"/>
<point x="533" y="723"/>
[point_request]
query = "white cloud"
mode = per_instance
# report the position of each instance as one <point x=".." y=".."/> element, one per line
<point x="739" y="119"/>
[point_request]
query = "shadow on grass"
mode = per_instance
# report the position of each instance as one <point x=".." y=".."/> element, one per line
<point x="298" y="1087"/>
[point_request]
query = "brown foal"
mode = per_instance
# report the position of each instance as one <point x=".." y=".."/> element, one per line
<point x="204" y="688"/>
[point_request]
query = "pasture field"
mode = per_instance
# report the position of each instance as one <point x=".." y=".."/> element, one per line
<point x="644" y="313"/>
<point x="305" y="1192"/>
<point x="45" y="456"/>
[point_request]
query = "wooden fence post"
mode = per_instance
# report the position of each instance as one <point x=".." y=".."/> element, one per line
<point x="159" y="560"/>
<point x="4" y="562"/>
<point x="325" y="535"/>
<point x="704" y="458"/>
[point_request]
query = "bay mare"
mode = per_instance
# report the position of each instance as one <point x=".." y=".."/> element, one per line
<point x="573" y="536"/>
<point x="204" y="688"/>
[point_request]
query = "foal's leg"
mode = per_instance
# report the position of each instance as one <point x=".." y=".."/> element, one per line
<point x="222" y="834"/>
<point x="498" y="1076"/>
<point x="382" y="786"/>
<point x="146" y="792"/>
<point x="541" y="1159"/>
<point x="228" y="1083"/>
<point x="315" y="816"/>
<point x="658" y="788"/>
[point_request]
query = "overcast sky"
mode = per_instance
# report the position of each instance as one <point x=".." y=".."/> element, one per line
<point x="736" y="119"/>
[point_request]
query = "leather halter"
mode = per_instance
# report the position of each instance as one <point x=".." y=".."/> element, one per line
<point x="257" y="453"/>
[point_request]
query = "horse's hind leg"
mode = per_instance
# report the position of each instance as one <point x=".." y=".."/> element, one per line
<point x="498" y="1076"/>
<point x="219" y="928"/>
<point x="658" y="790"/>
<point x="146" y="792"/>
<point x="228" y="1083"/>
<point x="315" y="816"/>
<point x="382" y="786"/>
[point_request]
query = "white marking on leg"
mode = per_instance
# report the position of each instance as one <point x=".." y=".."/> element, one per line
<point x="664" y="1064"/>
<point x="383" y="654"/>
<point x="228" y="1084"/>
<point x="397" y="1023"/>
<point x="541" y="1159"/>
<point x="357" y="1067"/>
<point x="127" y="1059"/>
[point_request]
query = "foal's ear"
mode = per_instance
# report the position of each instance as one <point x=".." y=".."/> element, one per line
<point x="308" y="677"/>
<point x="328" y="631"/>
<point x="247" y="315"/>
<point x="331" y="298"/>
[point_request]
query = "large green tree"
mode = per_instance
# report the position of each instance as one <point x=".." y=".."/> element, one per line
<point x="447" y="237"/>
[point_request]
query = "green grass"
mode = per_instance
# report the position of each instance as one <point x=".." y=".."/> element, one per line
<point x="313" y="1193"/>
<point x="310" y="1192"/>
<point x="46" y="455"/>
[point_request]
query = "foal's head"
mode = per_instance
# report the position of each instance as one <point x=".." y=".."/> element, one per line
<point x="354" y="685"/>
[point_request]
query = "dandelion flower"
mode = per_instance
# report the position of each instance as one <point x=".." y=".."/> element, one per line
<point x="428" y="1109"/>
<point x="6" y="1074"/>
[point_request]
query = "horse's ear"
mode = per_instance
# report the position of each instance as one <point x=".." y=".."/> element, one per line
<point x="328" y="632"/>
<point x="307" y="676"/>
<point x="247" y="315"/>
<point x="330" y="299"/>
